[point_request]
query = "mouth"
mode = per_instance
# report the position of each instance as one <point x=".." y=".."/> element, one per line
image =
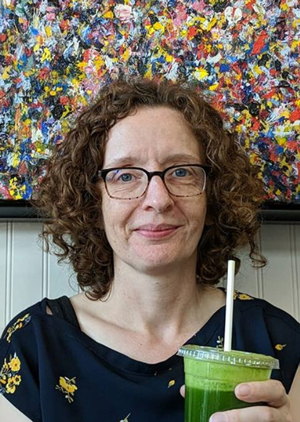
<point x="156" y="231"/>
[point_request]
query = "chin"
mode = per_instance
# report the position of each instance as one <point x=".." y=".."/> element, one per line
<point x="154" y="263"/>
<point x="154" y="269"/>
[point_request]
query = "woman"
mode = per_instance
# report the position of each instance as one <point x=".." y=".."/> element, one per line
<point x="149" y="196"/>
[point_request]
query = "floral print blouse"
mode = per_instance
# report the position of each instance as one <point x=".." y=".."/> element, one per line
<point x="51" y="371"/>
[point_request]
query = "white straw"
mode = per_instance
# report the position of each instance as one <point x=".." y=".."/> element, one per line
<point x="229" y="305"/>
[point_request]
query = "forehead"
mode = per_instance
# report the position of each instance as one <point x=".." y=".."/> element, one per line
<point x="157" y="134"/>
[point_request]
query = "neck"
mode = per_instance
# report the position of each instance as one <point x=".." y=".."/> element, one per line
<point x="163" y="302"/>
<point x="149" y="316"/>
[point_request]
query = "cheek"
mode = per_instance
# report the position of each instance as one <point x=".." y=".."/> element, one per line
<point x="108" y="216"/>
<point x="110" y="226"/>
<point x="115" y="217"/>
<point x="110" y="219"/>
<point x="197" y="222"/>
<point x="196" y="213"/>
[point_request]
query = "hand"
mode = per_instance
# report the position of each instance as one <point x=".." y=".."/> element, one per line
<point x="271" y="392"/>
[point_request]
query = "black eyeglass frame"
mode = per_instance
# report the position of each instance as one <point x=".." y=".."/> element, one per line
<point x="103" y="173"/>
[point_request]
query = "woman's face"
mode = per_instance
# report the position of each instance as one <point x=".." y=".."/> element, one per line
<point x="156" y="231"/>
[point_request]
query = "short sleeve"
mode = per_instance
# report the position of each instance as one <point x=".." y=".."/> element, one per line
<point x="19" y="382"/>
<point x="284" y="332"/>
<point x="261" y="327"/>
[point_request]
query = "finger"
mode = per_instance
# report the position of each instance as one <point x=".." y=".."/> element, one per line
<point x="182" y="390"/>
<point x="272" y="392"/>
<point x="252" y="414"/>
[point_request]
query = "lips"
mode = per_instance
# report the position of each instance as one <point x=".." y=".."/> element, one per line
<point x="156" y="227"/>
<point x="156" y="231"/>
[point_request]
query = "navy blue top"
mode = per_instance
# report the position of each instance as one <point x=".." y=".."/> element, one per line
<point x="51" y="371"/>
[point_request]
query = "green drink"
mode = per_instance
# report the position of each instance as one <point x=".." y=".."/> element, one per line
<point x="211" y="376"/>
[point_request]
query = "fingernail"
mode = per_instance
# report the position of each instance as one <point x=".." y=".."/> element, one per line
<point x="218" y="417"/>
<point x="243" y="390"/>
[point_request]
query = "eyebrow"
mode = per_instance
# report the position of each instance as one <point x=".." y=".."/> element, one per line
<point x="131" y="160"/>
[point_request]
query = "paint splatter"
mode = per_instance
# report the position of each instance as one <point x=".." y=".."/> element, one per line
<point x="55" y="55"/>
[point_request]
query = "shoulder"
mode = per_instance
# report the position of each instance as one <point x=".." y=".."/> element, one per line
<point x="18" y="345"/>
<point x="20" y="361"/>
<point x="268" y="328"/>
<point x="18" y="340"/>
<point x="35" y="326"/>
<point x="261" y="327"/>
<point x="260" y="308"/>
<point x="24" y="319"/>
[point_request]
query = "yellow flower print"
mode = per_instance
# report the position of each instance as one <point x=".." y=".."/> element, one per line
<point x="241" y="296"/>
<point x="126" y="419"/>
<point x="171" y="383"/>
<point x="15" y="364"/>
<point x="21" y="322"/>
<point x="68" y="387"/>
<point x="5" y="366"/>
<point x="10" y="386"/>
<point x="244" y="296"/>
<point x="9" y="377"/>
<point x="17" y="379"/>
<point x="280" y="346"/>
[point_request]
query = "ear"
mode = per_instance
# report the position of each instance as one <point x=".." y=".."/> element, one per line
<point x="208" y="220"/>
<point x="205" y="236"/>
<point x="100" y="223"/>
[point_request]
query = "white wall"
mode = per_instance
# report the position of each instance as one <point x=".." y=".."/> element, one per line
<point x="27" y="273"/>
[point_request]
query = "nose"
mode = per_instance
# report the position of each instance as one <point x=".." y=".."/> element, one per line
<point x="157" y="197"/>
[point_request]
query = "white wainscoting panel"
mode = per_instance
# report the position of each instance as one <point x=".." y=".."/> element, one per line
<point x="280" y="275"/>
<point x="27" y="273"/>
<point x="25" y="267"/>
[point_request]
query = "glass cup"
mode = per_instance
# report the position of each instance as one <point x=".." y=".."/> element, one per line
<point x="211" y="376"/>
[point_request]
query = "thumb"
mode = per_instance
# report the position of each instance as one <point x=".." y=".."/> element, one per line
<point x="182" y="390"/>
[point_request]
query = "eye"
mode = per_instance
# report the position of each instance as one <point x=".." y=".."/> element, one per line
<point x="125" y="177"/>
<point x="122" y="176"/>
<point x="181" y="172"/>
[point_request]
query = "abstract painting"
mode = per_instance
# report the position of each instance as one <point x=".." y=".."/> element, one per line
<point x="56" y="54"/>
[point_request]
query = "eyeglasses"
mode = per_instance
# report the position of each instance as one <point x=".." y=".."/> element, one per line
<point x="132" y="182"/>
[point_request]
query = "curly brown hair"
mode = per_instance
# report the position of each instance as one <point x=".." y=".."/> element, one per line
<point x="70" y="198"/>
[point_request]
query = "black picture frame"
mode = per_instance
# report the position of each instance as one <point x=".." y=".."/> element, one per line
<point x="16" y="210"/>
<point x="147" y="37"/>
<point x="280" y="213"/>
